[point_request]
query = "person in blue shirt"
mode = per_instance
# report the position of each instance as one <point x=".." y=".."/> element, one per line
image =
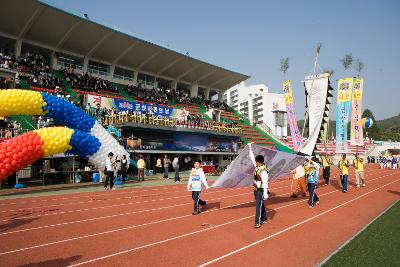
<point x="312" y="181"/>
<point x="196" y="179"/>
<point x="394" y="163"/>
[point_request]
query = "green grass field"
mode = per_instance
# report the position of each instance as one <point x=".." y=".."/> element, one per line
<point x="377" y="245"/>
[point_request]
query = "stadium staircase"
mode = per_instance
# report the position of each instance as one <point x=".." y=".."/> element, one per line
<point x="254" y="134"/>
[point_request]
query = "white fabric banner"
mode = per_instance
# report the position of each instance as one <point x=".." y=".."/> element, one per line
<point x="317" y="90"/>
<point x="241" y="170"/>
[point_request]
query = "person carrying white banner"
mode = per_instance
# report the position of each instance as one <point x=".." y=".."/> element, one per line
<point x="196" y="179"/>
<point x="260" y="187"/>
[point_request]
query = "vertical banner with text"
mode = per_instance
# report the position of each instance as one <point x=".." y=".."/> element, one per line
<point x="345" y="88"/>
<point x="356" y="131"/>
<point x="294" y="130"/>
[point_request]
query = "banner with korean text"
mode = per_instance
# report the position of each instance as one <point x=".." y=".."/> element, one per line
<point x="294" y="130"/>
<point x="356" y="131"/>
<point x="345" y="89"/>
<point x="123" y="105"/>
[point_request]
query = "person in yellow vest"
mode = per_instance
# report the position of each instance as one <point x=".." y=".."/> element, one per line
<point x="359" y="169"/>
<point x="344" y="165"/>
<point x="260" y="187"/>
<point x="326" y="168"/>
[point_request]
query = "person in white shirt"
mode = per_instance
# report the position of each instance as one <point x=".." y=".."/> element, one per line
<point x="109" y="171"/>
<point x="260" y="187"/>
<point x="175" y="164"/>
<point x="196" y="179"/>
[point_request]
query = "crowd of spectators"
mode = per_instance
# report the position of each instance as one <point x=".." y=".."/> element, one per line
<point x="32" y="67"/>
<point x="87" y="82"/>
<point x="156" y="96"/>
<point x="161" y="96"/>
<point x="36" y="71"/>
<point x="9" y="128"/>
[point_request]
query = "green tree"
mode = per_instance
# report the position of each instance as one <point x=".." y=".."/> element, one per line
<point x="347" y="61"/>
<point x="359" y="67"/>
<point x="284" y="66"/>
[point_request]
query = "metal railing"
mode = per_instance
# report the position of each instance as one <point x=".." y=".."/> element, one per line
<point x="264" y="127"/>
<point x="170" y="122"/>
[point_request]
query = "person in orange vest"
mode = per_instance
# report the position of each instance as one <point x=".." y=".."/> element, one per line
<point x="299" y="186"/>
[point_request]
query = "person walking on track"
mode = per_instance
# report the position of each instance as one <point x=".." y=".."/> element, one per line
<point x="260" y="187"/>
<point x="326" y="168"/>
<point x="197" y="178"/>
<point x="312" y="182"/>
<point x="175" y="164"/>
<point x="359" y="169"/>
<point x="344" y="165"/>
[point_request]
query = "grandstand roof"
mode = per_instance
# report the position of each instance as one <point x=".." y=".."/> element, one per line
<point x="38" y="23"/>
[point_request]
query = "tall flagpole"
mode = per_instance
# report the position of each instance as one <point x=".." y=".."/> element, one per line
<point x="312" y="82"/>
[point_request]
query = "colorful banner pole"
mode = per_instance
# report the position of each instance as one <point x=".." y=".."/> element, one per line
<point x="356" y="132"/>
<point x="294" y="130"/>
<point x="345" y="88"/>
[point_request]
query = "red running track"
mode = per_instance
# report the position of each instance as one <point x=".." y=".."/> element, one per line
<point x="154" y="226"/>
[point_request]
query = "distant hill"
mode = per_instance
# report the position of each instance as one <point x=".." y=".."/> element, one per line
<point x="390" y="124"/>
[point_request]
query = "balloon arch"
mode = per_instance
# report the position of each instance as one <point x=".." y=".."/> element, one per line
<point x="82" y="135"/>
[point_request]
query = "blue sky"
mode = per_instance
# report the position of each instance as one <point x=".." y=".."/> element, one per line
<point x="252" y="36"/>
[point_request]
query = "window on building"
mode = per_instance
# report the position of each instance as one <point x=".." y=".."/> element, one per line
<point x="145" y="79"/>
<point x="67" y="61"/>
<point x="97" y="68"/>
<point x="279" y="118"/>
<point x="123" y="74"/>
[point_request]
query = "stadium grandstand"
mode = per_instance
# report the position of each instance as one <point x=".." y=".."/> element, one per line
<point x="155" y="100"/>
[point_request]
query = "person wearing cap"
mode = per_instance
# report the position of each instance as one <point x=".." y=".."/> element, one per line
<point x="359" y="170"/>
<point x="312" y="181"/>
<point x="344" y="165"/>
<point x="260" y="187"/>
